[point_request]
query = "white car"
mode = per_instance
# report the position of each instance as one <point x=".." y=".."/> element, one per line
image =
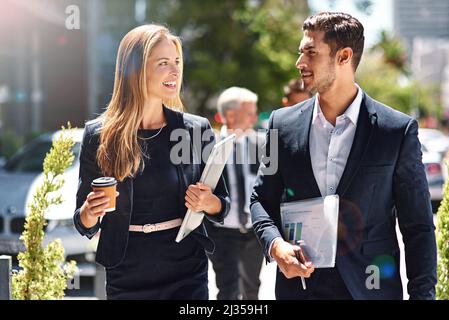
<point x="434" y="140"/>
<point x="19" y="178"/>
<point x="433" y="165"/>
<point x="434" y="146"/>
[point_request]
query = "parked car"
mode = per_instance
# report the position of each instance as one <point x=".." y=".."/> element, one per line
<point x="433" y="165"/>
<point x="434" y="140"/>
<point x="19" y="178"/>
<point x="435" y="145"/>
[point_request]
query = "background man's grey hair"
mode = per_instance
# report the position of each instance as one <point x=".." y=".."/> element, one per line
<point x="232" y="97"/>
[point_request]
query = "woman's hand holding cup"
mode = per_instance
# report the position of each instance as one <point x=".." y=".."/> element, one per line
<point x="99" y="201"/>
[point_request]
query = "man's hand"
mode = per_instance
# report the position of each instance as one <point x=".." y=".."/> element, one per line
<point x="284" y="254"/>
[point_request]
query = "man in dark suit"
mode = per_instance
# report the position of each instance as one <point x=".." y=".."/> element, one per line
<point x="343" y="142"/>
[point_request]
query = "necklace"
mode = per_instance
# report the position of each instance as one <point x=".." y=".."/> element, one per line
<point x="153" y="136"/>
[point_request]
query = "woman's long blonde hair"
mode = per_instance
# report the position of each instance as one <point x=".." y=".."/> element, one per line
<point x="119" y="154"/>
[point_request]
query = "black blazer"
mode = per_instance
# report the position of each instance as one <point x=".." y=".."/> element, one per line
<point x="384" y="178"/>
<point x="114" y="226"/>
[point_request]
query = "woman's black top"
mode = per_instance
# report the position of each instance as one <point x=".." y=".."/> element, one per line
<point x="156" y="189"/>
<point x="155" y="266"/>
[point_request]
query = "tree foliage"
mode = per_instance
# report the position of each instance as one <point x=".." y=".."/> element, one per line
<point x="393" y="52"/>
<point x="43" y="274"/>
<point x="248" y="43"/>
<point x="391" y="84"/>
<point x="442" y="289"/>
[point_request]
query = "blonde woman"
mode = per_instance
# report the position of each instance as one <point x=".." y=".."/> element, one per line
<point x="131" y="142"/>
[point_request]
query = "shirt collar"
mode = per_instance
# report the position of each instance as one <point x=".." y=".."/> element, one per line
<point x="352" y="112"/>
<point x="224" y="131"/>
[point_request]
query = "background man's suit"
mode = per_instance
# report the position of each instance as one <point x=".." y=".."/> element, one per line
<point x="237" y="259"/>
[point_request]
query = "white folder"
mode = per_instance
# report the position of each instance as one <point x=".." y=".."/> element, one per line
<point x="314" y="221"/>
<point x="211" y="174"/>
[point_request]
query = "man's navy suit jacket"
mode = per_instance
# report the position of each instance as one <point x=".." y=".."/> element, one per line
<point x="384" y="179"/>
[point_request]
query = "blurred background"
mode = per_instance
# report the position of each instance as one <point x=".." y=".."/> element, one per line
<point x="50" y="74"/>
<point x="57" y="61"/>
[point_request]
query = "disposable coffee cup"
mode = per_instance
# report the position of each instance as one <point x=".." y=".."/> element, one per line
<point x="108" y="186"/>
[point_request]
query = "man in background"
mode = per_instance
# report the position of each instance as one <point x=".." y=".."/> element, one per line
<point x="237" y="259"/>
<point x="294" y="92"/>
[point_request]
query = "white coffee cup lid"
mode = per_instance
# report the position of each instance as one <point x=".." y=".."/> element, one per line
<point x="104" y="182"/>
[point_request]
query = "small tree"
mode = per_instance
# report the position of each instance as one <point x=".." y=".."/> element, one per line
<point x="44" y="273"/>
<point x="443" y="246"/>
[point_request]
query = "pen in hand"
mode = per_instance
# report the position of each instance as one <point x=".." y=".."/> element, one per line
<point x="300" y="256"/>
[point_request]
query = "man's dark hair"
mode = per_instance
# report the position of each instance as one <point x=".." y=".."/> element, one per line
<point x="341" y="30"/>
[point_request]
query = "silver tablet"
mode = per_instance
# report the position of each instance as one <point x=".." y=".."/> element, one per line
<point x="211" y="174"/>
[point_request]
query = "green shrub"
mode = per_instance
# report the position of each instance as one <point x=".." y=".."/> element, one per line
<point x="44" y="273"/>
<point x="443" y="246"/>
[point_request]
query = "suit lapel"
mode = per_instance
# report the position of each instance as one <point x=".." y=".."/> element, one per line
<point x="175" y="121"/>
<point x="366" y="121"/>
<point x="303" y="124"/>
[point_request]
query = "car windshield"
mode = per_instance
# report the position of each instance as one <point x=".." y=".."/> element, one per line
<point x="31" y="157"/>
